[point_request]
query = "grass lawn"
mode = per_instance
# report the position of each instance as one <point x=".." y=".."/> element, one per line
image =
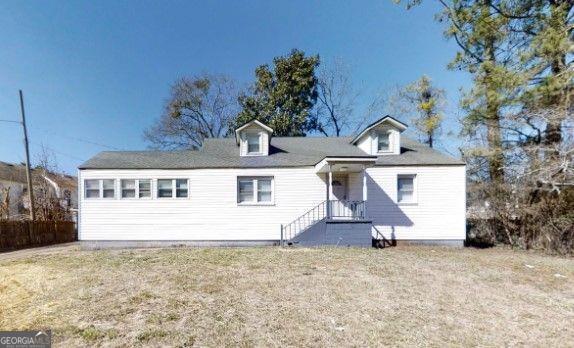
<point x="291" y="297"/>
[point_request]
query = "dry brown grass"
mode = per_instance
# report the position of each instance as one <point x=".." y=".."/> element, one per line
<point x="291" y="297"/>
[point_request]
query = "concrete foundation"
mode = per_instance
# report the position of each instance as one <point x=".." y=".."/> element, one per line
<point x="127" y="244"/>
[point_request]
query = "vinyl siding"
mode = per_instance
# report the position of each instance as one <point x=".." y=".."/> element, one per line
<point x="211" y="212"/>
<point x="369" y="141"/>
<point x="254" y="129"/>
<point x="439" y="212"/>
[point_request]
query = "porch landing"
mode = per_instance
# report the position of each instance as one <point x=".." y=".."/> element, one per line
<point x="336" y="232"/>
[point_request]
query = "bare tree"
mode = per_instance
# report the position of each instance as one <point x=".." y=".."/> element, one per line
<point x="533" y="207"/>
<point x="336" y="99"/>
<point x="47" y="204"/>
<point x="199" y="107"/>
<point x="5" y="203"/>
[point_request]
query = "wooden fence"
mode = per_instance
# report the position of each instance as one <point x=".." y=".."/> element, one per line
<point x="25" y="234"/>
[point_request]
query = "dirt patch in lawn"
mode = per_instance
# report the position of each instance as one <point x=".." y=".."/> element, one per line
<point x="291" y="297"/>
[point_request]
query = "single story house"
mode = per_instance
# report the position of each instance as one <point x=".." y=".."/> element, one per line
<point x="259" y="189"/>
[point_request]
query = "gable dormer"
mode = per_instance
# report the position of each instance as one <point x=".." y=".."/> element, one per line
<point x="253" y="139"/>
<point x="382" y="137"/>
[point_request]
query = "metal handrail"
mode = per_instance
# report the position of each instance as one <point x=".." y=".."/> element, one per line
<point x="332" y="209"/>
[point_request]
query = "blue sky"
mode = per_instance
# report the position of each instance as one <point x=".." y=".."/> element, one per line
<point x="95" y="74"/>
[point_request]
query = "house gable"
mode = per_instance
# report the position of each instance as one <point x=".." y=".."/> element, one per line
<point x="253" y="139"/>
<point x="382" y="137"/>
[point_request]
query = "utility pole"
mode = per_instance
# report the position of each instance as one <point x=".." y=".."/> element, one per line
<point x="28" y="172"/>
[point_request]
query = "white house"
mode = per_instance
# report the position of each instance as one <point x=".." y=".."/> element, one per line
<point x="14" y="203"/>
<point x="260" y="189"/>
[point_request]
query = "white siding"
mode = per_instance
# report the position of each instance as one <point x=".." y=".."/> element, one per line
<point x="368" y="142"/>
<point x="255" y="129"/>
<point x="210" y="213"/>
<point x="439" y="212"/>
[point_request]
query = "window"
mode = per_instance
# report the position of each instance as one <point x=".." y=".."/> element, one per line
<point x="144" y="187"/>
<point x="92" y="188"/>
<point x="383" y="142"/>
<point x="181" y="188"/>
<point x="245" y="190"/>
<point x="165" y="188"/>
<point x="136" y="188"/>
<point x="264" y="190"/>
<point x="100" y="188"/>
<point x="253" y="143"/>
<point x="406" y="189"/>
<point x="128" y="189"/>
<point x="258" y="190"/>
<point x="109" y="187"/>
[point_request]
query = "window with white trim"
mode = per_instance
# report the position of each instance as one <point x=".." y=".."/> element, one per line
<point x="383" y="142"/>
<point x="99" y="188"/>
<point x="253" y="143"/>
<point x="255" y="190"/>
<point x="144" y="188"/>
<point x="135" y="188"/>
<point x="172" y="188"/>
<point x="92" y="188"/>
<point x="406" y="190"/>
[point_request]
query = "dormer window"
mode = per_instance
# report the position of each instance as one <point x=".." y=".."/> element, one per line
<point x="253" y="139"/>
<point x="253" y="144"/>
<point x="381" y="138"/>
<point x="383" y="142"/>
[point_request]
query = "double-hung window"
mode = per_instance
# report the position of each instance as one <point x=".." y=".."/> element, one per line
<point x="136" y="188"/>
<point x="253" y="143"/>
<point x="92" y="188"/>
<point x="383" y="142"/>
<point x="406" y="189"/>
<point x="100" y="188"/>
<point x="172" y="188"/>
<point x="255" y="190"/>
<point x="144" y="187"/>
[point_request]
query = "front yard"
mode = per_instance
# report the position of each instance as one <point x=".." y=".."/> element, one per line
<point x="291" y="297"/>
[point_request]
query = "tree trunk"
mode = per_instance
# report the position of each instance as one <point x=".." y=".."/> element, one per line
<point x="559" y="100"/>
<point x="493" y="136"/>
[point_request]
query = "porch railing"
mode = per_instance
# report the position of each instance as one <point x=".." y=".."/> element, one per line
<point x="337" y="210"/>
<point x="347" y="209"/>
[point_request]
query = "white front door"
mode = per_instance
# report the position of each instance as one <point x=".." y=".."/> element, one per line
<point x="339" y="187"/>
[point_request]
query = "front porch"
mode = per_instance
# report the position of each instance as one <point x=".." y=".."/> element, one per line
<point x="342" y="218"/>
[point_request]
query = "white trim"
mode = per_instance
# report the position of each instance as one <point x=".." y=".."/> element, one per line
<point x="414" y="200"/>
<point x="389" y="142"/>
<point x="173" y="189"/>
<point x="100" y="189"/>
<point x="260" y="136"/>
<point x="367" y="161"/>
<point x="396" y="123"/>
<point x="137" y="189"/>
<point x="260" y="124"/>
<point x="255" y="181"/>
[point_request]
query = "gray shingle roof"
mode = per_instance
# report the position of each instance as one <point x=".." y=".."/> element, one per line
<point x="284" y="152"/>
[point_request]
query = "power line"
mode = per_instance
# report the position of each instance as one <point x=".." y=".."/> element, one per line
<point x="58" y="152"/>
<point x="77" y="139"/>
<point x="11" y="121"/>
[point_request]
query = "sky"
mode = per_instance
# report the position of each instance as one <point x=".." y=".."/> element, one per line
<point x="95" y="74"/>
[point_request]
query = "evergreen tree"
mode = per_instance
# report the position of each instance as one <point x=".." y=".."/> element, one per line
<point x="282" y="97"/>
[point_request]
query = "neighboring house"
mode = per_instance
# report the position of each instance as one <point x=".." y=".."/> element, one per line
<point x="13" y="181"/>
<point x="260" y="189"/>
